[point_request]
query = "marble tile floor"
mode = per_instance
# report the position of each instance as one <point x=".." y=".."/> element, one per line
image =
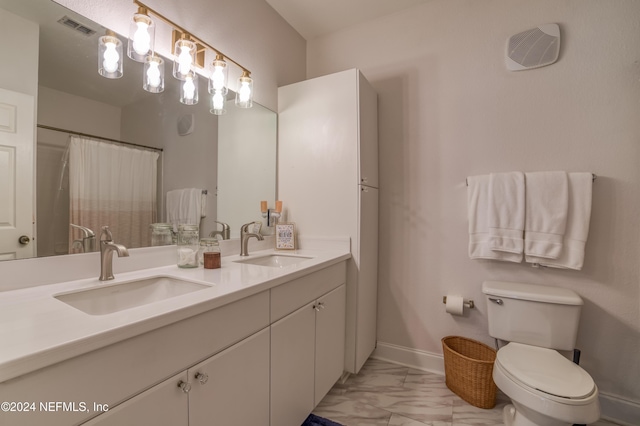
<point x="386" y="394"/>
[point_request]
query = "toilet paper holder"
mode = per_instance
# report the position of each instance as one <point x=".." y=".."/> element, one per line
<point x="467" y="303"/>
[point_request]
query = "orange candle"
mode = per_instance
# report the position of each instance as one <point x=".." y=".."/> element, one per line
<point x="279" y="206"/>
<point x="263" y="206"/>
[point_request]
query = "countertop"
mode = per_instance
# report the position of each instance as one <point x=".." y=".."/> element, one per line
<point x="38" y="330"/>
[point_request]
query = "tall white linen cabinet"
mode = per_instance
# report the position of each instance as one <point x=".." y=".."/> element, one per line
<point x="328" y="181"/>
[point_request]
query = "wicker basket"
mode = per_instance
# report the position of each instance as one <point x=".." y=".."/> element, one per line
<point x="468" y="367"/>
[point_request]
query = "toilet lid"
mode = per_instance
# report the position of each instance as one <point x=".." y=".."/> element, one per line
<point x="545" y="370"/>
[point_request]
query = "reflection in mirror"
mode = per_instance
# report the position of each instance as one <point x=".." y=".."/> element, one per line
<point x="232" y="156"/>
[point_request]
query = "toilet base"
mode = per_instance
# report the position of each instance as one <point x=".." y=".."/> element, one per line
<point x="522" y="416"/>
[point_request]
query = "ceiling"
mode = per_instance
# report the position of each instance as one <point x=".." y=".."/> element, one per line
<point x="315" y="18"/>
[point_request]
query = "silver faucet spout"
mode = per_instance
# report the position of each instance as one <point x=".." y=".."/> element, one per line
<point x="107" y="248"/>
<point x="244" y="238"/>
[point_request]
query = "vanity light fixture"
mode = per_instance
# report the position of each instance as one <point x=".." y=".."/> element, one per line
<point x="189" y="52"/>
<point x="141" y="36"/>
<point x="189" y="88"/>
<point x="244" y="95"/>
<point x="153" y="76"/>
<point x="185" y="57"/>
<point x="218" y="101"/>
<point x="110" y="55"/>
<point x="219" y="76"/>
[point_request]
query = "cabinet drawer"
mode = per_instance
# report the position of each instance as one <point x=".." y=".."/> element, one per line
<point x="290" y="296"/>
<point x="115" y="373"/>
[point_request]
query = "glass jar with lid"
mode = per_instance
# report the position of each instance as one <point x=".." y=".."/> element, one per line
<point x="188" y="246"/>
<point x="208" y="245"/>
<point x="161" y="234"/>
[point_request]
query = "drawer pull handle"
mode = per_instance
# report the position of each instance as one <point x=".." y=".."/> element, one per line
<point x="202" y="378"/>
<point x="185" y="386"/>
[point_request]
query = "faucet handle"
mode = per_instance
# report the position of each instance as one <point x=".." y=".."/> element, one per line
<point x="106" y="231"/>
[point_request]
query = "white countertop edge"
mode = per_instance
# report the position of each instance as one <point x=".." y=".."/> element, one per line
<point x="116" y="327"/>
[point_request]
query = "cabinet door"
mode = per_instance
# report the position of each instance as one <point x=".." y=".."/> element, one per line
<point x="330" y="333"/>
<point x="292" y="367"/>
<point x="232" y="387"/>
<point x="163" y="404"/>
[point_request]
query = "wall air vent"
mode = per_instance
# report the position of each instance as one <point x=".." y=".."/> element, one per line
<point x="74" y="25"/>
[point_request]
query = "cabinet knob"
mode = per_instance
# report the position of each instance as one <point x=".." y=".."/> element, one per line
<point x="364" y="180"/>
<point x="321" y="305"/>
<point x="202" y="378"/>
<point x="185" y="386"/>
<point x="318" y="306"/>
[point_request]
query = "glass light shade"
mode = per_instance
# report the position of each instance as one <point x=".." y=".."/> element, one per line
<point x="189" y="89"/>
<point x="110" y="56"/>
<point x="185" y="57"/>
<point x="218" y="100"/>
<point x="219" y="75"/>
<point x="244" y="95"/>
<point x="153" y="75"/>
<point x="141" y="37"/>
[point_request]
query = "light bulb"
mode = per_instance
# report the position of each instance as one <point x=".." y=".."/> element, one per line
<point x="245" y="92"/>
<point x="142" y="39"/>
<point x="184" y="60"/>
<point x="189" y="88"/>
<point x="153" y="74"/>
<point x="217" y="103"/>
<point x="110" y="58"/>
<point x="218" y="78"/>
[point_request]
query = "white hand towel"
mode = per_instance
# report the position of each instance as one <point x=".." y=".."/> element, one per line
<point x="546" y="200"/>
<point x="478" y="209"/>
<point x="184" y="207"/>
<point x="577" y="231"/>
<point x="506" y="212"/>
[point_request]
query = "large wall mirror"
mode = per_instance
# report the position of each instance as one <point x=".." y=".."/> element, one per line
<point x="232" y="157"/>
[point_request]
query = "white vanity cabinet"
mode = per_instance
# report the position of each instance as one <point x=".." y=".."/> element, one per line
<point x="307" y="345"/>
<point x="265" y="359"/>
<point x="118" y="372"/>
<point x="164" y="404"/>
<point x="230" y="388"/>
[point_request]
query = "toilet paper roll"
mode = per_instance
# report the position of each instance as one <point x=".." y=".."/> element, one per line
<point x="455" y="305"/>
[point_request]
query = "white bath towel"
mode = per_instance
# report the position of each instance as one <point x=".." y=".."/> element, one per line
<point x="506" y="212"/>
<point x="184" y="206"/>
<point x="577" y="230"/>
<point x="478" y="209"/>
<point x="547" y="200"/>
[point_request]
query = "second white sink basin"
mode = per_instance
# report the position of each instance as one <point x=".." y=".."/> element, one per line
<point x="275" y="260"/>
<point x="114" y="298"/>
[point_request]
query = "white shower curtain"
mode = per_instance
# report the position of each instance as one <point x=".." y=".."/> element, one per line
<point x="114" y="185"/>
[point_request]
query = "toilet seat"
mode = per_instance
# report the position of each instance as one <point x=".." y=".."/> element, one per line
<point x="545" y="370"/>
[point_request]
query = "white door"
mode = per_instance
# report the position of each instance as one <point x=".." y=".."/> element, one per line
<point x="232" y="387"/>
<point x="330" y="331"/>
<point x="292" y="367"/>
<point x="16" y="175"/>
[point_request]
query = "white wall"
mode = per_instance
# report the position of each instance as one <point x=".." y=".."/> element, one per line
<point x="22" y="75"/>
<point x="249" y="31"/>
<point x="448" y="108"/>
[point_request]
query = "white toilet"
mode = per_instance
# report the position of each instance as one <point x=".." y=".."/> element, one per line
<point x="545" y="387"/>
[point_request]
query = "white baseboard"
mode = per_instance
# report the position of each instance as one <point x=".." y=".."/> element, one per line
<point x="619" y="410"/>
<point x="413" y="358"/>
<point x="613" y="408"/>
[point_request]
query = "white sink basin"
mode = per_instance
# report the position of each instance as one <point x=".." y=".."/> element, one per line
<point x="113" y="298"/>
<point x="275" y="260"/>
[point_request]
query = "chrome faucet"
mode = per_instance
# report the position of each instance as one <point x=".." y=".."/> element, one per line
<point x="244" y="238"/>
<point x="107" y="247"/>
<point x="88" y="242"/>
<point x="225" y="233"/>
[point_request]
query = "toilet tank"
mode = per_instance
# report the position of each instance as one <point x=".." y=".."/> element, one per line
<point x="533" y="314"/>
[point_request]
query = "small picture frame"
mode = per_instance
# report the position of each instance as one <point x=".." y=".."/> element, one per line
<point x="285" y="236"/>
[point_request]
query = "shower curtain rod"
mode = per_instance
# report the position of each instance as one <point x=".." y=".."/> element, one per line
<point x="57" y="129"/>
